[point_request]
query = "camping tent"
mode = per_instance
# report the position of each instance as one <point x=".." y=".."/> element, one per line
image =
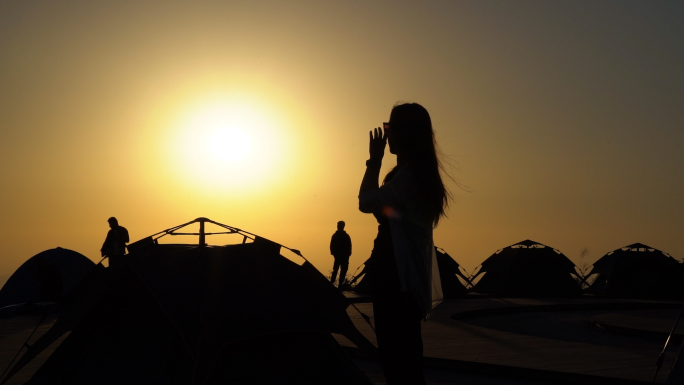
<point x="527" y="269"/>
<point x="200" y="314"/>
<point x="637" y="270"/>
<point x="46" y="277"/>
<point x="449" y="273"/>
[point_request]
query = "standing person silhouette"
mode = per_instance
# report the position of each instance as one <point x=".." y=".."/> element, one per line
<point x="341" y="249"/>
<point x="114" y="246"/>
<point x="402" y="266"/>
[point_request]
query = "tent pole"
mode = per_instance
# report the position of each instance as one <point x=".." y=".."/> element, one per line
<point x="661" y="357"/>
<point x="364" y="316"/>
<point x="25" y="345"/>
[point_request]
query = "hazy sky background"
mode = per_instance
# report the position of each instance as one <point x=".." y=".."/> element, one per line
<point x="565" y="120"/>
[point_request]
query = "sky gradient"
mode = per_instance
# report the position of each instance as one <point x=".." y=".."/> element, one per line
<point x="562" y="122"/>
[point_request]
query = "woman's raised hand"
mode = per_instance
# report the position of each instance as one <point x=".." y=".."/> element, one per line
<point x="378" y="140"/>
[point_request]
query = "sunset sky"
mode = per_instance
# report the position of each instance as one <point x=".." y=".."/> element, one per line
<point x="562" y="120"/>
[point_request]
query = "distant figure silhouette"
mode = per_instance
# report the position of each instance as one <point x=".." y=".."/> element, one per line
<point x="407" y="206"/>
<point x="114" y="246"/>
<point x="341" y="249"/>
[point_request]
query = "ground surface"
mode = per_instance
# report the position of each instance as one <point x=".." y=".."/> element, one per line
<point x="544" y="341"/>
<point x="495" y="341"/>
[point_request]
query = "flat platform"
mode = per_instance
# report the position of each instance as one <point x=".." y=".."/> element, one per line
<point x="544" y="341"/>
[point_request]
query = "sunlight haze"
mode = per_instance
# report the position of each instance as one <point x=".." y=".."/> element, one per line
<point x="560" y="122"/>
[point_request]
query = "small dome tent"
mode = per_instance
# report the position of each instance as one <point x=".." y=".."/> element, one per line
<point x="46" y="277"/>
<point x="453" y="277"/>
<point x="637" y="270"/>
<point x="201" y="314"/>
<point x="527" y="269"/>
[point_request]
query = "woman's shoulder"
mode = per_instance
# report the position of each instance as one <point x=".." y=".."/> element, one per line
<point x="401" y="174"/>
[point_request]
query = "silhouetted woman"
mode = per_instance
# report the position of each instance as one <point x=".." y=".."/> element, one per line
<point x="402" y="267"/>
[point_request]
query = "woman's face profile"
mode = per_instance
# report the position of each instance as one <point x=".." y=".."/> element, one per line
<point x="390" y="138"/>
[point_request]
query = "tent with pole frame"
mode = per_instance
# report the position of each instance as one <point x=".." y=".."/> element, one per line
<point x="200" y="314"/>
<point x="637" y="270"/>
<point x="527" y="269"/>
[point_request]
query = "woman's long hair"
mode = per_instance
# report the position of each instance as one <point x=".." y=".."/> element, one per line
<point x="411" y="130"/>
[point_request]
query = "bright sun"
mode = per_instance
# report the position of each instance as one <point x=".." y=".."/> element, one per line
<point x="229" y="144"/>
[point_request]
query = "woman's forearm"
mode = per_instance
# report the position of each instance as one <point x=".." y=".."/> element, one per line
<point x="369" y="183"/>
<point x="371" y="176"/>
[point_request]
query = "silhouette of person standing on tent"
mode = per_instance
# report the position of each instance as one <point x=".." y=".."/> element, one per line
<point x="341" y="249"/>
<point x="114" y="246"/>
<point x="407" y="206"/>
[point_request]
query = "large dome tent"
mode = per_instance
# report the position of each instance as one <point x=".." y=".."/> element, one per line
<point x="46" y="277"/>
<point x="637" y="270"/>
<point x="202" y="314"/>
<point x="526" y="269"/>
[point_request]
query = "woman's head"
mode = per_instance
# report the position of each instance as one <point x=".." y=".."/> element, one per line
<point x="410" y="132"/>
<point x="411" y="138"/>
